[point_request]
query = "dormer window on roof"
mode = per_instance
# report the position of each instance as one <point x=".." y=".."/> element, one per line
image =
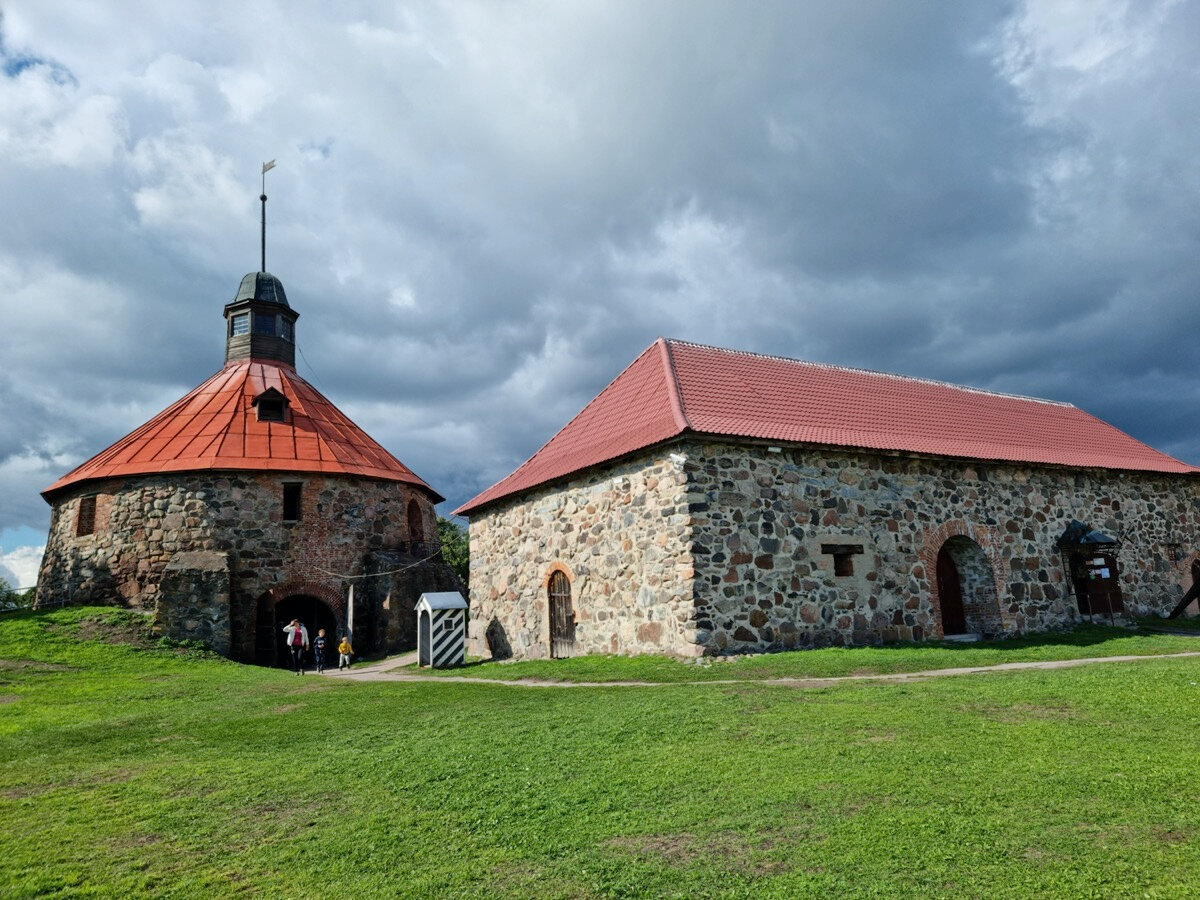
<point x="271" y="406"/>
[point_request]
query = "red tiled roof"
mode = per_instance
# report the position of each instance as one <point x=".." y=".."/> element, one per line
<point x="216" y="427"/>
<point x="675" y="388"/>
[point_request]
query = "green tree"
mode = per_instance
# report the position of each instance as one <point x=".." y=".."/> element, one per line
<point x="456" y="548"/>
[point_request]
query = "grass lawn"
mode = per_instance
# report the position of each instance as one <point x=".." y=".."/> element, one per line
<point x="140" y="771"/>
<point x="1086" y="641"/>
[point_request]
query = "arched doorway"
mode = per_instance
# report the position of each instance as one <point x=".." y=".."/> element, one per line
<point x="954" y="619"/>
<point x="966" y="589"/>
<point x="312" y="612"/>
<point x="416" y="526"/>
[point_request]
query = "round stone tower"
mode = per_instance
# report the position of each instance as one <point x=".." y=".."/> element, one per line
<point x="250" y="501"/>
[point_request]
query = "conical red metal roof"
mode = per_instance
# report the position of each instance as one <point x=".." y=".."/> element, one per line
<point x="674" y="388"/>
<point x="216" y="426"/>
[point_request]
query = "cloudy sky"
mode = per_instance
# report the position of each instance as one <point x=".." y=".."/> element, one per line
<point x="483" y="211"/>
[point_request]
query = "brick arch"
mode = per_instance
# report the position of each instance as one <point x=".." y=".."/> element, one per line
<point x="544" y="628"/>
<point x="557" y="566"/>
<point x="988" y="541"/>
<point x="331" y="596"/>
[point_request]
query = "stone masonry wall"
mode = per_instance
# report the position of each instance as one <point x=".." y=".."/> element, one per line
<point x="709" y="547"/>
<point x="194" y="600"/>
<point x="141" y="522"/>
<point x="619" y="533"/>
<point x="761" y="519"/>
<point x="402" y="576"/>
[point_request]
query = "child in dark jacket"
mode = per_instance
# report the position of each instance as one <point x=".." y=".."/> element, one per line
<point x="318" y="647"/>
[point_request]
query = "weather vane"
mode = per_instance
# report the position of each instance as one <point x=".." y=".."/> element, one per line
<point x="267" y="166"/>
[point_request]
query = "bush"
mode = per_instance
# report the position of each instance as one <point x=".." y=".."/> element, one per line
<point x="456" y="548"/>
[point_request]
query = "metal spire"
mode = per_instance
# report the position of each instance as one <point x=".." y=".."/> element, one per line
<point x="267" y="166"/>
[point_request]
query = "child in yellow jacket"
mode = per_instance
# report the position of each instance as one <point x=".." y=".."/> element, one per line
<point x="344" y="652"/>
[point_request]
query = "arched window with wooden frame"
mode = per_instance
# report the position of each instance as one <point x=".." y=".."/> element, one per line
<point x="562" y="616"/>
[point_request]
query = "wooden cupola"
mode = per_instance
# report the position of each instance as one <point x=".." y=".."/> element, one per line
<point x="259" y="324"/>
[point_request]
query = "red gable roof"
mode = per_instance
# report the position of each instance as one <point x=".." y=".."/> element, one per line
<point x="217" y="427"/>
<point x="675" y="388"/>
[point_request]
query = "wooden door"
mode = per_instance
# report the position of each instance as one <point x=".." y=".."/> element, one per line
<point x="1097" y="584"/>
<point x="562" y="619"/>
<point x="954" y="619"/>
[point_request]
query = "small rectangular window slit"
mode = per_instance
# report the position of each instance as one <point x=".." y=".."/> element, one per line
<point x="843" y="557"/>
<point x="291" y="502"/>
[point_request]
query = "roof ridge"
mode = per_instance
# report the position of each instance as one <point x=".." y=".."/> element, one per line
<point x="573" y="418"/>
<point x="674" y="391"/>
<point x="650" y="367"/>
<point x="863" y="371"/>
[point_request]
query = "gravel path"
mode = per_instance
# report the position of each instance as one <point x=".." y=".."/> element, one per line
<point x="387" y="670"/>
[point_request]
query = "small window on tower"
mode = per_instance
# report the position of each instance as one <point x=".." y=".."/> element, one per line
<point x="264" y="324"/>
<point x="291" y="502"/>
<point x="86" y="522"/>
<point x="285" y="329"/>
<point x="239" y="324"/>
<point x="270" y="410"/>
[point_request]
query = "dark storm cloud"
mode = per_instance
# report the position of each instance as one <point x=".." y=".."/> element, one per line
<point x="482" y="213"/>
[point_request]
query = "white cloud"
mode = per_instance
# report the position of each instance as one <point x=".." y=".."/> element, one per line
<point x="482" y="212"/>
<point x="20" y="566"/>
<point x="46" y="120"/>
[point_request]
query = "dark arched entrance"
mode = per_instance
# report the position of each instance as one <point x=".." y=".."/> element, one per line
<point x="954" y="619"/>
<point x="966" y="589"/>
<point x="313" y="613"/>
<point x="416" y="525"/>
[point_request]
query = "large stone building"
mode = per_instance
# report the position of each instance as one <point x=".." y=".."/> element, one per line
<point x="251" y="500"/>
<point x="711" y="501"/>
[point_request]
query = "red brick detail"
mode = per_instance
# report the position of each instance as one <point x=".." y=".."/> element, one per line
<point x="329" y="595"/>
<point x="988" y="540"/>
<point x="558" y="566"/>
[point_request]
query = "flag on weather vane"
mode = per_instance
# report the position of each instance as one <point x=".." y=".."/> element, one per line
<point x="267" y="166"/>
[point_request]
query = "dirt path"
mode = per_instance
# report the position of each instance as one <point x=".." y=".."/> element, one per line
<point x="387" y="671"/>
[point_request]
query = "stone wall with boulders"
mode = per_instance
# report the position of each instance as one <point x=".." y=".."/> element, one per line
<point x="708" y="547"/>
<point x="142" y="522"/>
<point x="763" y="518"/>
<point x="397" y="579"/>
<point x="194" y="600"/>
<point x="619" y="533"/>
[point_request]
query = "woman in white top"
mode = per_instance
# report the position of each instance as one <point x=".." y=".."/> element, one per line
<point x="297" y="641"/>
